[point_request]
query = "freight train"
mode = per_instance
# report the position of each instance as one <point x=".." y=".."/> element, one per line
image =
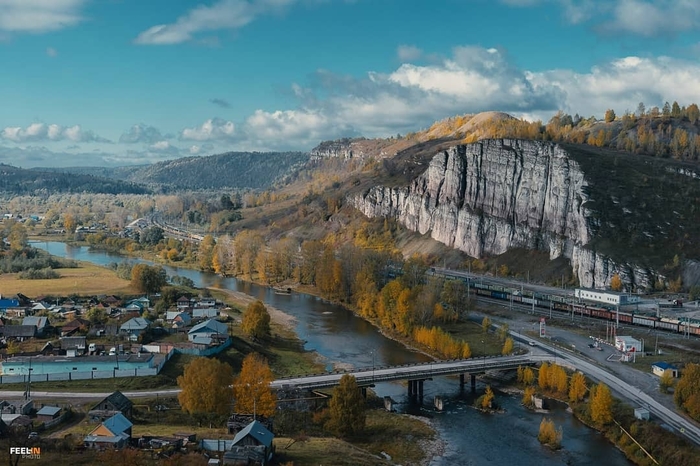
<point x="561" y="304"/>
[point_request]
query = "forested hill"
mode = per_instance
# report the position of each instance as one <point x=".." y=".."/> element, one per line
<point x="20" y="181"/>
<point x="256" y="170"/>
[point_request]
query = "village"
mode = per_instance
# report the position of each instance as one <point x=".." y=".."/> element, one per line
<point x="61" y="340"/>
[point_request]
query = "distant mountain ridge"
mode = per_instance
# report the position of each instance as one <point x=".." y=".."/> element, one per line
<point x="21" y="181"/>
<point x="241" y="170"/>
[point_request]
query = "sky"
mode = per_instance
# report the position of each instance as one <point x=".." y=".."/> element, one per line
<point x="121" y="82"/>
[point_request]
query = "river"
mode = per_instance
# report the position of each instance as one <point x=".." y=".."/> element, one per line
<point x="472" y="438"/>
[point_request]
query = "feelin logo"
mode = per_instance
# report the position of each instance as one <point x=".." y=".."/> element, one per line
<point x="28" y="453"/>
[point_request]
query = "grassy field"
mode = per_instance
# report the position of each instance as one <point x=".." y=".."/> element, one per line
<point x="324" y="451"/>
<point x="87" y="279"/>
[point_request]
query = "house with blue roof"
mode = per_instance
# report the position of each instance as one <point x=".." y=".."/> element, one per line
<point x="113" y="433"/>
<point x="208" y="332"/>
<point x="134" y="327"/>
<point x="661" y="368"/>
<point x="252" y="445"/>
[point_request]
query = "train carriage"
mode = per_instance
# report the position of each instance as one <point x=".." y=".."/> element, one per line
<point x="644" y="321"/>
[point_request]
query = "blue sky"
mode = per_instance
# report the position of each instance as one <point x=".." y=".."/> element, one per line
<point x="116" y="82"/>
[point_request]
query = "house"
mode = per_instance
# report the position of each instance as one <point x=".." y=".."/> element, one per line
<point x="143" y="301"/>
<point x="111" y="301"/>
<point x="48" y="413"/>
<point x="113" y="433"/>
<point x="134" y="327"/>
<point x="208" y="332"/>
<point x="134" y="307"/>
<point x="660" y="368"/>
<point x="181" y="320"/>
<point x="75" y="325"/>
<point x="207" y="302"/>
<point x="205" y="313"/>
<point x="18" y="332"/>
<point x="183" y="302"/>
<point x="73" y="346"/>
<point x="252" y="445"/>
<point x="108" y="407"/>
<point x="99" y="330"/>
<point x="170" y="315"/>
<point x="628" y="344"/>
<point x="6" y="304"/>
<point x="41" y="323"/>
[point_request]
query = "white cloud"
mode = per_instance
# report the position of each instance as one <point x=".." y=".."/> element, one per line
<point x="211" y="130"/>
<point x="141" y="133"/>
<point x="408" y="53"/>
<point x="53" y="132"/>
<point x="39" y="16"/>
<point x="653" y="18"/>
<point x="222" y="15"/>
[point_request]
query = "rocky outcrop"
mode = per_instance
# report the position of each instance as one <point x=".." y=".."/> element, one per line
<point x="487" y="197"/>
<point x="342" y="148"/>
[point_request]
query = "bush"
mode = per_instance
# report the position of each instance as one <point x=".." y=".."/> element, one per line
<point x="39" y="274"/>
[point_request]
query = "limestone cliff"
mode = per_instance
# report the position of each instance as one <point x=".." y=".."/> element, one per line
<point x="487" y="197"/>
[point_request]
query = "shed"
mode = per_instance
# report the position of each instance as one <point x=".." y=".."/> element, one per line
<point x="642" y="414"/>
<point x="48" y="413"/>
<point x="660" y="368"/>
<point x="115" y="403"/>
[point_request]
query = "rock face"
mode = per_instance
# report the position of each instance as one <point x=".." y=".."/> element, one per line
<point x="342" y="148"/>
<point x="487" y="197"/>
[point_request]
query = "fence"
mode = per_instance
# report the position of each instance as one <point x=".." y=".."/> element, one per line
<point x="109" y="374"/>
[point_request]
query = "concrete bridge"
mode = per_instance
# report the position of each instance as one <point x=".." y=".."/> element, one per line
<point x="415" y="374"/>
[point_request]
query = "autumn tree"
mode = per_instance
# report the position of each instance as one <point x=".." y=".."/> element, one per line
<point x="485" y="401"/>
<point x="17" y="237"/>
<point x="528" y="376"/>
<point x="609" y="115"/>
<point x="205" y="388"/>
<point x="507" y="347"/>
<point x="346" y="408"/>
<point x="549" y="435"/>
<point x="693" y="113"/>
<point x="577" y="387"/>
<point x="148" y="278"/>
<point x="206" y="253"/>
<point x="543" y="377"/>
<point x="251" y="389"/>
<point x="616" y="283"/>
<point x="486" y="324"/>
<point x="502" y="332"/>
<point x="601" y="404"/>
<point x="256" y="320"/>
<point x="687" y="391"/>
<point x="665" y="382"/>
<point x="69" y="223"/>
<point x="527" y="397"/>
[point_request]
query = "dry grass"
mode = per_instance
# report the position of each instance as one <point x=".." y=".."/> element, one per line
<point x="324" y="451"/>
<point x="87" y="279"/>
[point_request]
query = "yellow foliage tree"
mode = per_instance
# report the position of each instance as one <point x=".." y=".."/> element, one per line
<point x="528" y="376"/>
<point x="577" y="387"/>
<point x="616" y="283"/>
<point x="251" y="389"/>
<point x="205" y="388"/>
<point x="507" y="347"/>
<point x="527" y="397"/>
<point x="487" y="398"/>
<point x="601" y="405"/>
<point x="543" y="377"/>
<point x="486" y="324"/>
<point x="256" y="320"/>
<point x="549" y="434"/>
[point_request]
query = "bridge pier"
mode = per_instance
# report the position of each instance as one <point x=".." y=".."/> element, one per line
<point x="473" y="382"/>
<point x="461" y="381"/>
<point x="420" y="389"/>
<point x="364" y="392"/>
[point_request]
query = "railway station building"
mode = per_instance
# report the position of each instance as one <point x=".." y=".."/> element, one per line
<point x="612" y="298"/>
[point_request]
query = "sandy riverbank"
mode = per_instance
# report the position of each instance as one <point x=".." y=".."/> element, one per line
<point x="277" y="316"/>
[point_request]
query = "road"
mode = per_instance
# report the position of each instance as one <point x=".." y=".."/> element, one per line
<point x="622" y="388"/>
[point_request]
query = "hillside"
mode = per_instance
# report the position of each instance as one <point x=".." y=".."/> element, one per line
<point x="19" y="181"/>
<point x="253" y="170"/>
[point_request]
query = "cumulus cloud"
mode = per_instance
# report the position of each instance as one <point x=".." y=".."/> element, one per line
<point x="220" y="102"/>
<point x="222" y="15"/>
<point x="211" y="130"/>
<point x="197" y="149"/>
<point x="43" y="132"/>
<point x="39" y="16"/>
<point x="141" y="133"/>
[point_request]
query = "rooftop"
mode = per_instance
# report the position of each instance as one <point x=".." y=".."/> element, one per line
<point x="48" y="411"/>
